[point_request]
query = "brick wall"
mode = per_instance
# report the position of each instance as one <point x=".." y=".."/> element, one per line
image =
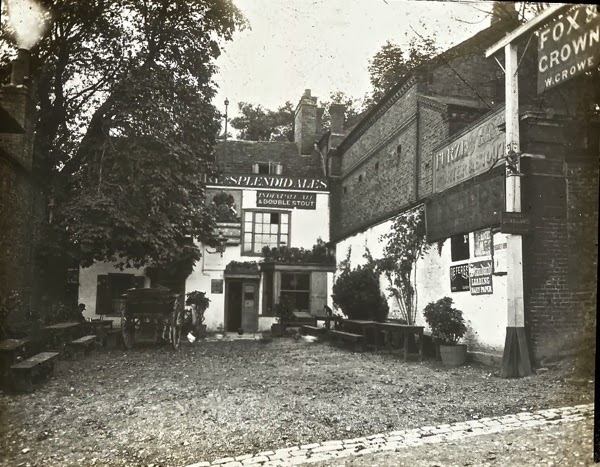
<point x="433" y="129"/>
<point x="560" y="256"/>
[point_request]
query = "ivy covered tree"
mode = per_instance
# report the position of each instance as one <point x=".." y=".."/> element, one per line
<point x="124" y="125"/>
<point x="405" y="244"/>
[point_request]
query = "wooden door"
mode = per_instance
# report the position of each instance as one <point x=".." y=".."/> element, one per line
<point x="318" y="291"/>
<point x="250" y="306"/>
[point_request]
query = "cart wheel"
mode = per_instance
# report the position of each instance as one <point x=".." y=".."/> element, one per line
<point x="175" y="324"/>
<point x="127" y="330"/>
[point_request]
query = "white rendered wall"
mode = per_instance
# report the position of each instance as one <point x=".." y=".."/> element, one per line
<point x="307" y="225"/>
<point x="485" y="314"/>
<point x="88" y="280"/>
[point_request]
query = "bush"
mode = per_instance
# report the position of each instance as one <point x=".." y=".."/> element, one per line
<point x="447" y="323"/>
<point x="358" y="294"/>
<point x="198" y="301"/>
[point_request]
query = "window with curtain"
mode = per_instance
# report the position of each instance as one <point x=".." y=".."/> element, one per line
<point x="265" y="229"/>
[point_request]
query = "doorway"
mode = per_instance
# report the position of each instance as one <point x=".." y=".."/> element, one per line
<point x="241" y="310"/>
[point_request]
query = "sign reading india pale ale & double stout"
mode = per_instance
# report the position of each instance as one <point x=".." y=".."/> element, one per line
<point x="470" y="154"/>
<point x="286" y="199"/>
<point x="569" y="46"/>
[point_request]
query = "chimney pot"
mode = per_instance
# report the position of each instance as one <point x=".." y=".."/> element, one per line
<point x="20" y="68"/>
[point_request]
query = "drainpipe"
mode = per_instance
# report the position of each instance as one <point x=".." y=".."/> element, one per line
<point x="418" y="153"/>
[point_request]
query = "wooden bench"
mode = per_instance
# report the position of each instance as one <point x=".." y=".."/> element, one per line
<point x="347" y="337"/>
<point x="35" y="368"/>
<point x="80" y="347"/>
<point x="312" y="330"/>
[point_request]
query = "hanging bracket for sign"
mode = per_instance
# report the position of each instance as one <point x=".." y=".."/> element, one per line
<point x="515" y="223"/>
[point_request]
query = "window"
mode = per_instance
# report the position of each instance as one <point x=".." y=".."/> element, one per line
<point x="265" y="229"/>
<point x="110" y="287"/>
<point x="295" y="290"/>
<point x="360" y="178"/>
<point x="345" y="189"/>
<point x="459" y="247"/>
<point x="273" y="168"/>
<point x="399" y="150"/>
<point x="376" y="165"/>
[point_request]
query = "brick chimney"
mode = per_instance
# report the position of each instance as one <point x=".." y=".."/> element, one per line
<point x="305" y="123"/>
<point x="337" y="113"/>
<point x="15" y="98"/>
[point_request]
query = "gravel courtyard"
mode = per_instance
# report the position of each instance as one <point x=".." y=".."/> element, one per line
<point x="153" y="406"/>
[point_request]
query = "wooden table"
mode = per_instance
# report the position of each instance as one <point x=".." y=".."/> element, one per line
<point x="365" y="327"/>
<point x="394" y="328"/>
<point x="328" y="319"/>
<point x="61" y="333"/>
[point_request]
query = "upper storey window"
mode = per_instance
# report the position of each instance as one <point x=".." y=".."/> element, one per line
<point x="267" y="168"/>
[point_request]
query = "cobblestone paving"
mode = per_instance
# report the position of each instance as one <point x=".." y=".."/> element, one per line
<point x="397" y="440"/>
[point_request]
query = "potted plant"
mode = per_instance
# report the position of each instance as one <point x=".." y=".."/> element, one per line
<point x="198" y="303"/>
<point x="283" y="314"/>
<point x="447" y="328"/>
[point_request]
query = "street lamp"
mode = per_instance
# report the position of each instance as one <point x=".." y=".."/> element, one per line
<point x="225" y="134"/>
<point x="220" y="247"/>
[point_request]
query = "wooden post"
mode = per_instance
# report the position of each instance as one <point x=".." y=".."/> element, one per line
<point x="515" y="361"/>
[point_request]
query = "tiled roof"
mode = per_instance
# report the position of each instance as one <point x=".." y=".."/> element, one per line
<point x="238" y="156"/>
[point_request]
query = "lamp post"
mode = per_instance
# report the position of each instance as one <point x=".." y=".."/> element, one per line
<point x="225" y="134"/>
<point x="220" y="247"/>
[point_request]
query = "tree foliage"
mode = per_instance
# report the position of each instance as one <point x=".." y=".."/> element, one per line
<point x="357" y="293"/>
<point x="391" y="63"/>
<point x="255" y="123"/>
<point x="405" y="243"/>
<point x="125" y="125"/>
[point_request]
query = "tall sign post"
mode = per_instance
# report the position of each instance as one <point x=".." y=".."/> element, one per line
<point x="516" y="360"/>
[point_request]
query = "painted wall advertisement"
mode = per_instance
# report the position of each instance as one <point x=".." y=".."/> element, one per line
<point x="459" y="278"/>
<point x="483" y="242"/>
<point x="569" y="46"/>
<point x="284" y="199"/>
<point x="480" y="277"/>
<point x="471" y="154"/>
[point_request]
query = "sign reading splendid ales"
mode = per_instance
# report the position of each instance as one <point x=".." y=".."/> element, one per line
<point x="269" y="181"/>
<point x="470" y="154"/>
<point x="568" y="47"/>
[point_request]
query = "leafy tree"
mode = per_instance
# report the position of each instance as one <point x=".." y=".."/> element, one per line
<point x="357" y="293"/>
<point x="391" y="63"/>
<point x="125" y="126"/>
<point x="405" y="243"/>
<point x="255" y="123"/>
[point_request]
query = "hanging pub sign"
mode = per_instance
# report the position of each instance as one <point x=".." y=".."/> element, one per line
<point x="459" y="278"/>
<point x="568" y="47"/>
<point x="480" y="277"/>
<point x="286" y="199"/>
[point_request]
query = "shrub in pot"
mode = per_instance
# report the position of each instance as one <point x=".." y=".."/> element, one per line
<point x="283" y="314"/>
<point x="198" y="302"/>
<point x="447" y="328"/>
<point x="357" y="293"/>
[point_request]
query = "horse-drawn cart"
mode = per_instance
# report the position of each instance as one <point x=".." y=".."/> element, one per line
<point x="157" y="309"/>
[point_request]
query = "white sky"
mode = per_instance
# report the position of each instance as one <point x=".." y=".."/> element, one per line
<point x="325" y="45"/>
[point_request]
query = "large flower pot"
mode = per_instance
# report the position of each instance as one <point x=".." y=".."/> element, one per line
<point x="453" y="355"/>
<point x="278" y="329"/>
